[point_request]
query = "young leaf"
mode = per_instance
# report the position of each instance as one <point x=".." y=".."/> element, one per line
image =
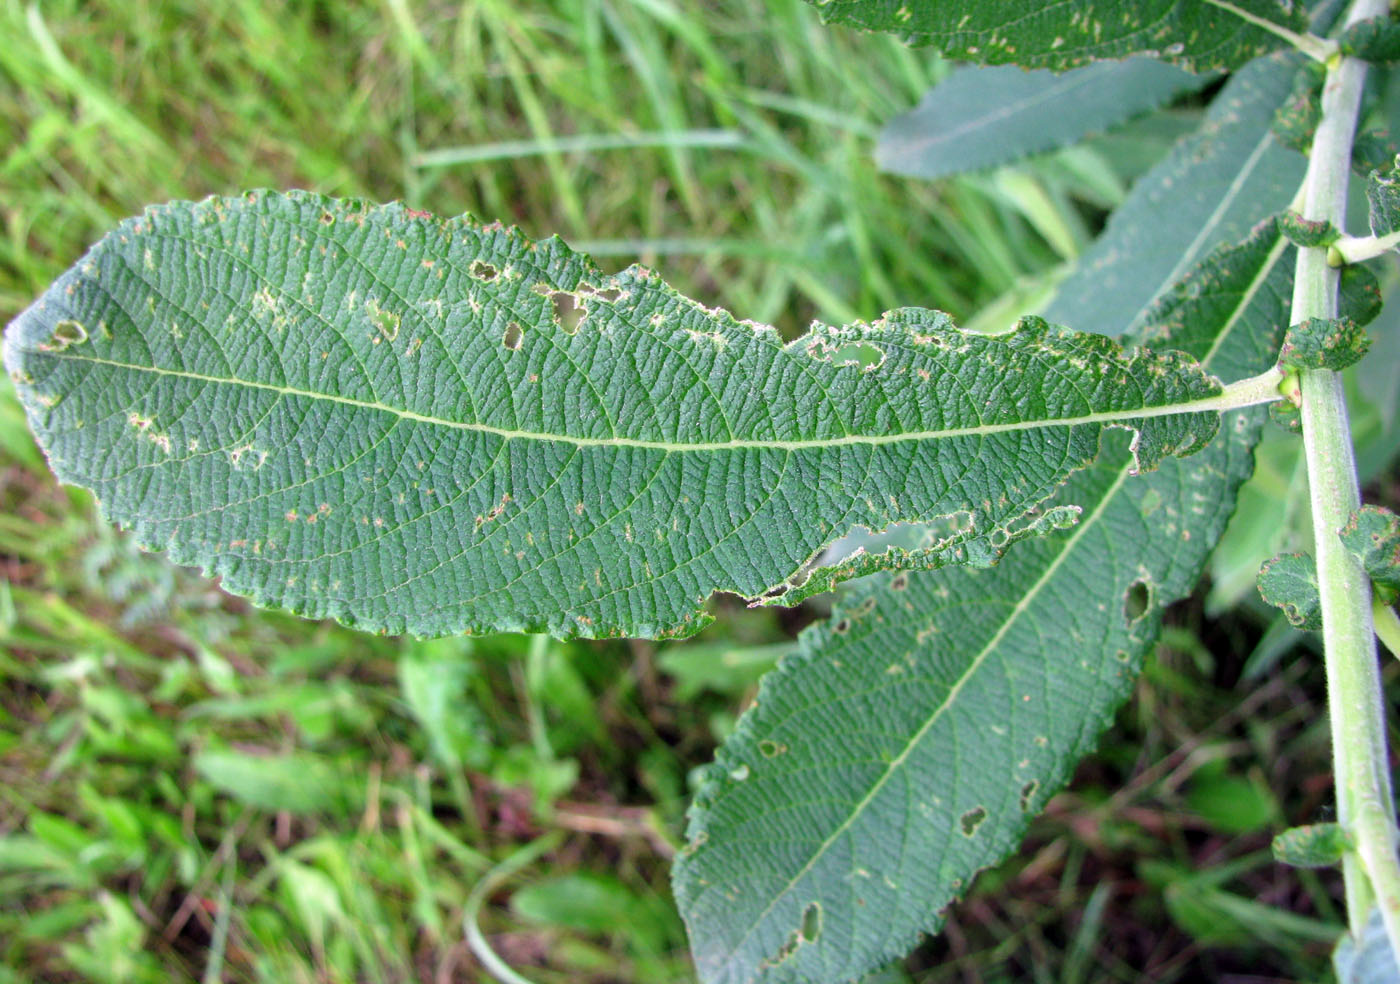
<point x="1383" y="195"/>
<point x="1287" y="415"/>
<point x="1195" y="34"/>
<point x="434" y="426"/>
<point x="1323" y="343"/>
<point x="1306" y="232"/>
<point x="1318" y="845"/>
<point x="1212" y="188"/>
<point x="913" y="736"/>
<point x="1373" y="537"/>
<point x="1376" y="39"/>
<point x="983" y="117"/>
<point x="1296" y="120"/>
<point x="1289" y="582"/>
<point x="1359" y="294"/>
<point x="1372" y="150"/>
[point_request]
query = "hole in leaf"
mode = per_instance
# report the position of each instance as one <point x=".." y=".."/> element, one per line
<point x="1135" y="602"/>
<point x="569" y="311"/>
<point x="1027" y="794"/>
<point x="961" y="521"/>
<point x="514" y="336"/>
<point x="812" y="923"/>
<point x="842" y="627"/>
<point x="483" y="271"/>
<point x="861" y="354"/>
<point x="972" y="819"/>
<point x="610" y="295"/>
<point x="64" y="334"/>
<point x="899" y="582"/>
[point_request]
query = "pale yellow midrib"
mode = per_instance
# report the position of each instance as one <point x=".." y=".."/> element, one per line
<point x="1222" y="401"/>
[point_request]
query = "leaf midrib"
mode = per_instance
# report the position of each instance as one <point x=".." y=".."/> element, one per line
<point x="1058" y="87"/>
<point x="1199" y="405"/>
<point x="1192" y="253"/>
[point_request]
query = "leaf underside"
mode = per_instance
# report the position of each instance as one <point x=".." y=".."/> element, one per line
<point x="1383" y="196"/>
<point x="1372" y="536"/>
<point x="1212" y="188"/>
<point x="412" y="424"/>
<point x="1196" y="34"/>
<point x="913" y="736"/>
<point x="986" y="116"/>
<point x="1289" y="582"/>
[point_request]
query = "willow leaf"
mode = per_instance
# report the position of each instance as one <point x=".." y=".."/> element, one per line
<point x="912" y="737"/>
<point x="985" y="116"/>
<point x="412" y="424"/>
<point x="1212" y="188"/>
<point x="1196" y="34"/>
<point x="1368" y="960"/>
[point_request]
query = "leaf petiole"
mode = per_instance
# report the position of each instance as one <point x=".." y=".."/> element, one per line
<point x="1357" y="249"/>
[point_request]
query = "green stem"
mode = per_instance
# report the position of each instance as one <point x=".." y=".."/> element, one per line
<point x="1387" y="626"/>
<point x="1364" y="800"/>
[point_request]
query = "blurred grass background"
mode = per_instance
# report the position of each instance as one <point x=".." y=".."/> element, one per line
<point x="194" y="790"/>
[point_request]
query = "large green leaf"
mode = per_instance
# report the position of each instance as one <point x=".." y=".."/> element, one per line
<point x="912" y="737"/>
<point x="1212" y="188"/>
<point x="435" y="426"/>
<point x="984" y="116"/>
<point x="1196" y="34"/>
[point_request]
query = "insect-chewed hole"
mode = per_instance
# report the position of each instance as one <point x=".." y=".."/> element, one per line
<point x="483" y="271"/>
<point x="862" y="354"/>
<point x="513" y="336"/>
<point x="972" y="819"/>
<point x="610" y="294"/>
<point x="64" y="334"/>
<point x="569" y="311"/>
<point x="1136" y="600"/>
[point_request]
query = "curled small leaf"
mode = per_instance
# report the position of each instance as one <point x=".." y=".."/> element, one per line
<point x="1376" y="39"/>
<point x="1287" y="415"/>
<point x="1373" y="537"/>
<point x="1289" y="582"/>
<point x="1323" y="343"/>
<point x="1373" y="150"/>
<point x="1383" y="195"/>
<point x="1296" y="120"/>
<point x="1317" y="845"/>
<point x="1308" y="232"/>
<point x="1359" y="294"/>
